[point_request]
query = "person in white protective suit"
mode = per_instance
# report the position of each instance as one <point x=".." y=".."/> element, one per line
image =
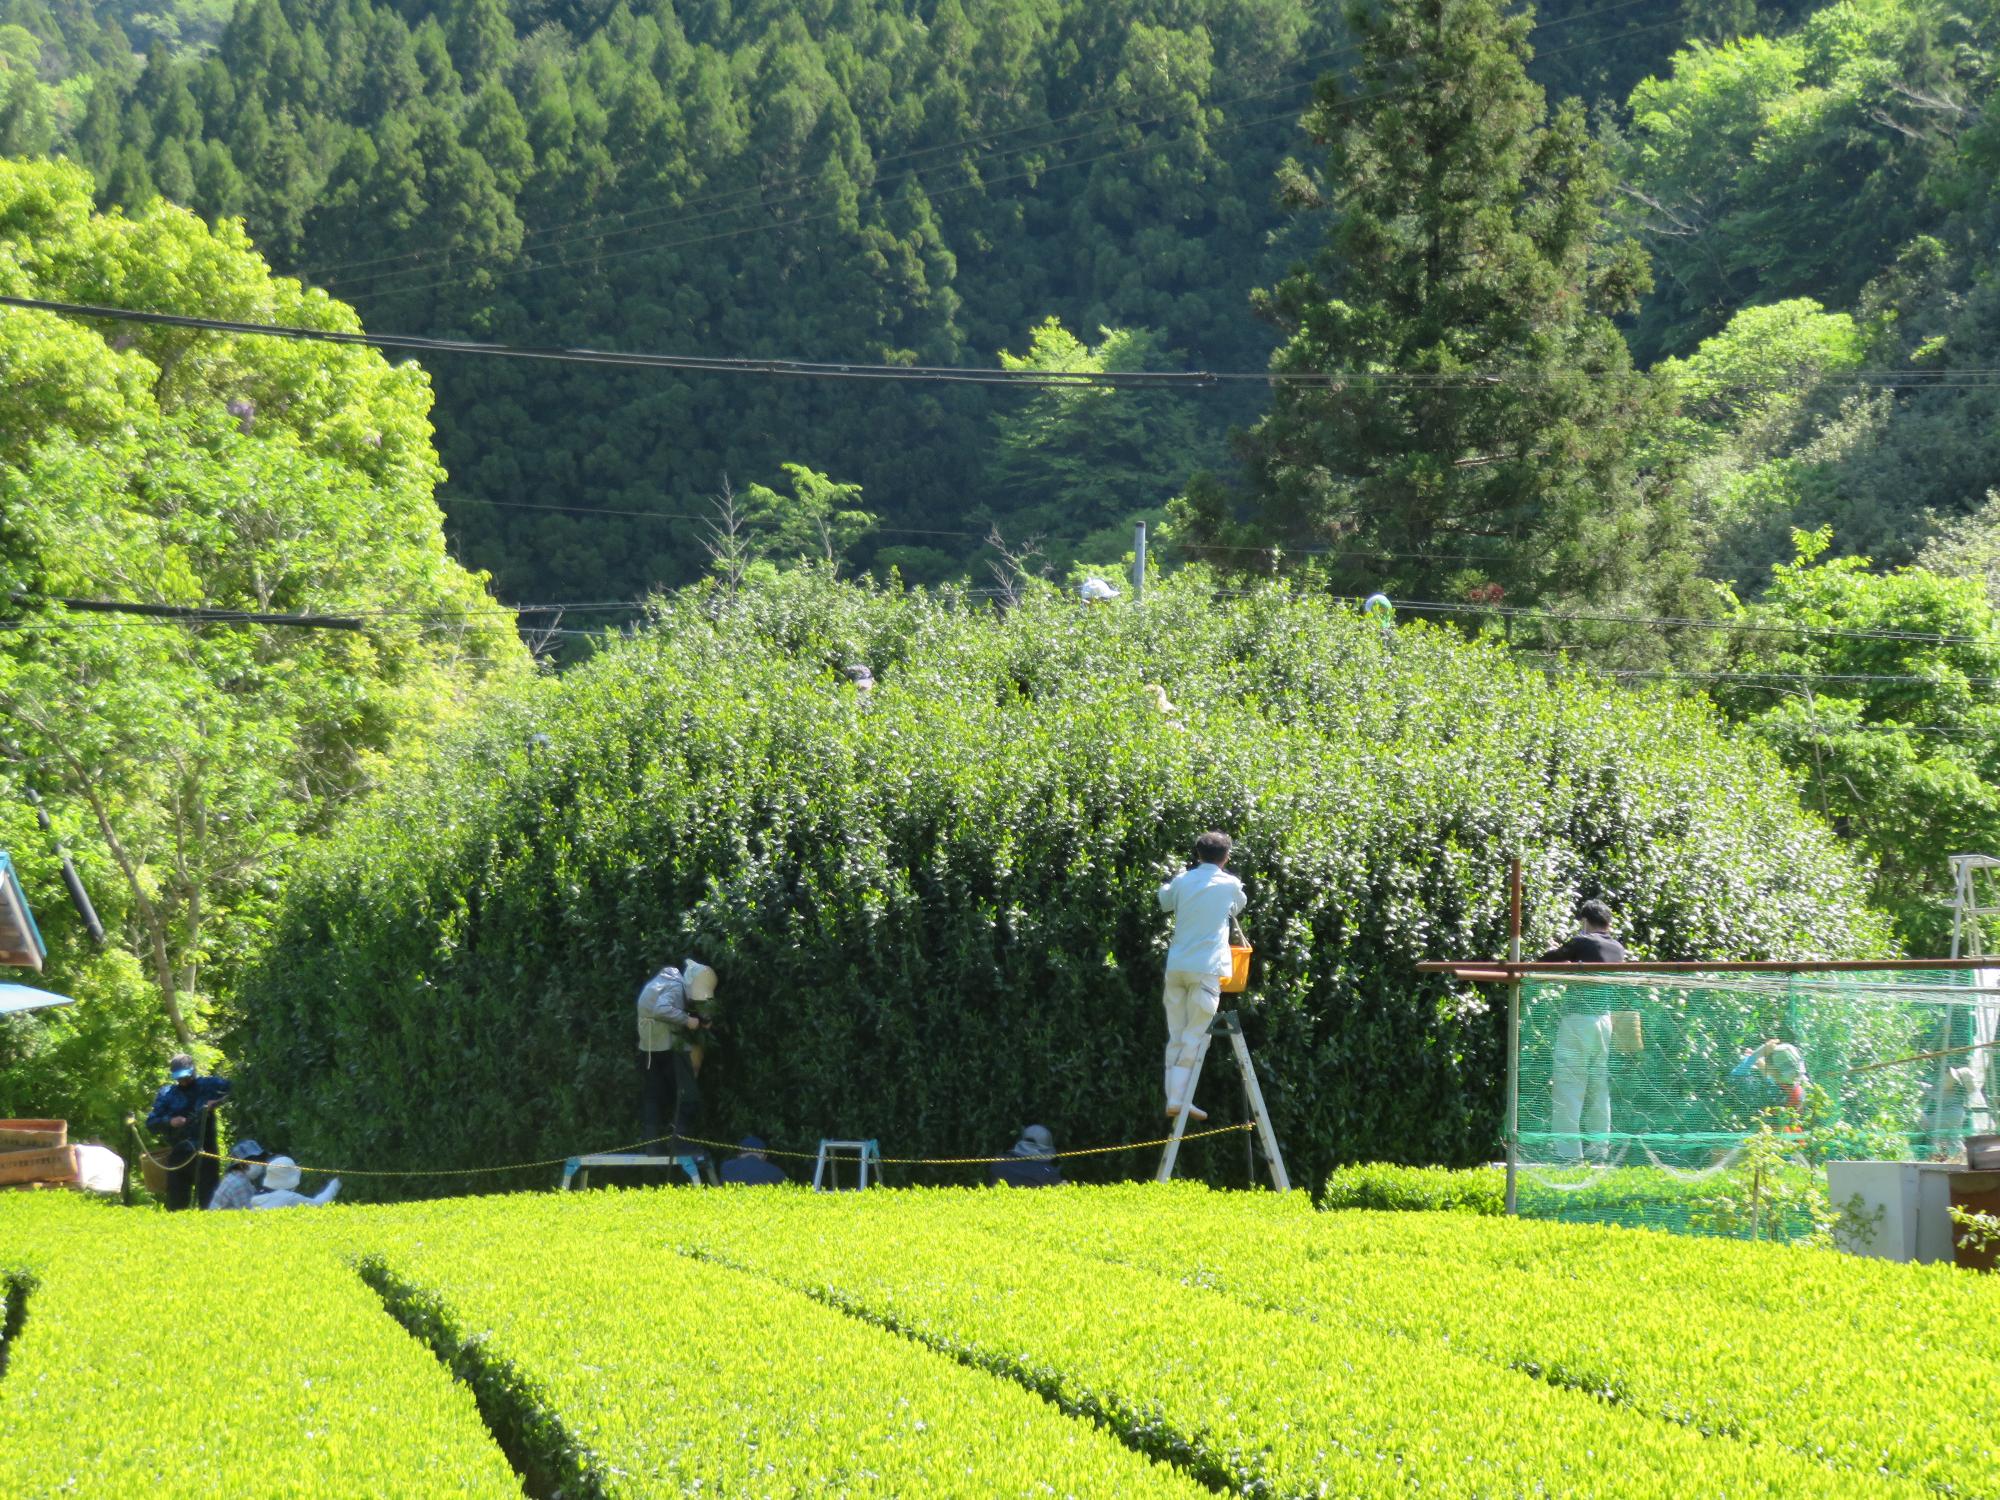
<point x="1201" y="900"/>
<point x="281" y="1184"/>
<point x="1961" y="1100"/>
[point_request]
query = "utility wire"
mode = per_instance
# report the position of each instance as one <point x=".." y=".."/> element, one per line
<point x="835" y="370"/>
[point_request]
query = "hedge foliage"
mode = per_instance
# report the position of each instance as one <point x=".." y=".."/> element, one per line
<point x="791" y="1398"/>
<point x="932" y="908"/>
<point x="1384" y="1186"/>
<point x="1255" y="1399"/>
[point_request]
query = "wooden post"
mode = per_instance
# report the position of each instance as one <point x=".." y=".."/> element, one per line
<point x="1513" y="1030"/>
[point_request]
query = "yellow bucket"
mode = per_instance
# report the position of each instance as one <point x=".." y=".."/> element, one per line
<point x="1238" y="978"/>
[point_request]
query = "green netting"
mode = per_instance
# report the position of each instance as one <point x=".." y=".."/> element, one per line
<point x="1711" y="1102"/>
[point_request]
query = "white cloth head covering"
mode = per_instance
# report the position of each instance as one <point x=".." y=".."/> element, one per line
<point x="700" y="980"/>
<point x="281" y="1175"/>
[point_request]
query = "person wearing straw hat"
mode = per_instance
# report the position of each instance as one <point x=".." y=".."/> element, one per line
<point x="1030" y="1163"/>
<point x="1580" y="1080"/>
<point x="675" y="1007"/>
<point x="1202" y="899"/>
<point x="183" y="1114"/>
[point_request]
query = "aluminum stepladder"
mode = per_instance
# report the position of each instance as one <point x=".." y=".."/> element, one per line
<point x="865" y="1153"/>
<point x="1228" y="1023"/>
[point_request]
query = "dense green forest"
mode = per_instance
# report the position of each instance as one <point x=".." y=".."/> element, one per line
<point x="929" y="182"/>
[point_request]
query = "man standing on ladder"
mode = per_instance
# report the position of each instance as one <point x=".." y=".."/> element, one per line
<point x="1201" y="899"/>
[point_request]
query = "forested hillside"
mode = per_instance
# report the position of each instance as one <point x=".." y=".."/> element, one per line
<point x="930" y="182"/>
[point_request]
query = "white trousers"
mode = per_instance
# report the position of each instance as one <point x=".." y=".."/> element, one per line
<point x="1191" y="1001"/>
<point x="1581" y="1084"/>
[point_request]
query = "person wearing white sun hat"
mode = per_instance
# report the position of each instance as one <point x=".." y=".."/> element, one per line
<point x="675" y="1007"/>
<point x="281" y="1187"/>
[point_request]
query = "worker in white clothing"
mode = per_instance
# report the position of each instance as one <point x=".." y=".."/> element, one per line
<point x="1580" y="1081"/>
<point x="1202" y="899"/>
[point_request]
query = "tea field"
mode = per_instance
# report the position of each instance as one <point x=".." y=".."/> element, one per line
<point x="1087" y="1342"/>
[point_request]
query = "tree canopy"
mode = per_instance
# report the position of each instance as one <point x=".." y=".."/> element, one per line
<point x="166" y="469"/>
<point x="1466" y="423"/>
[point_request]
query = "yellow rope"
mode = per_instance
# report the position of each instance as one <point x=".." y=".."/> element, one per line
<point x="558" y="1161"/>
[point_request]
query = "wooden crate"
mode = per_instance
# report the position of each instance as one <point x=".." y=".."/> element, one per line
<point x="33" y="1135"/>
<point x="49" y="1165"/>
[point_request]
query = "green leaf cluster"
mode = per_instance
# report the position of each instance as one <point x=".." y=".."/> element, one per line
<point x="932" y="907"/>
<point x="1238" y="1341"/>
<point x="131" y="1371"/>
<point x="1879" y="689"/>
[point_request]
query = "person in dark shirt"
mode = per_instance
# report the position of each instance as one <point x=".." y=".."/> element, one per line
<point x="183" y="1114"/>
<point x="1031" y="1162"/>
<point x="1593" y="943"/>
<point x="749" y="1167"/>
<point x="1580" y="1081"/>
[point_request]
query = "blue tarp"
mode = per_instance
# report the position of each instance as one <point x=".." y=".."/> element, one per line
<point x="18" y="997"/>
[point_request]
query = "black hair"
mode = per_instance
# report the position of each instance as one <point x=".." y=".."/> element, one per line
<point x="1596" y="913"/>
<point x="1212" y="848"/>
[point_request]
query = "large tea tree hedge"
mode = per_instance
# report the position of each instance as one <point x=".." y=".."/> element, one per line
<point x="933" y="908"/>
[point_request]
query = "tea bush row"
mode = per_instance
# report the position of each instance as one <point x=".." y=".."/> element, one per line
<point x="1862" y="1364"/>
<point x="932" y="909"/>
<point x="631" y="1370"/>
<point x="1254" y="1400"/>
<point x="163" y="1353"/>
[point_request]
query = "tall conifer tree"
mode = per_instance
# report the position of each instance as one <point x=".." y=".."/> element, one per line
<point x="1476" y="427"/>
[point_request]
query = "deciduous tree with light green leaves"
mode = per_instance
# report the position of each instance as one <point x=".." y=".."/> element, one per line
<point x="1078" y="464"/>
<point x="156" y="466"/>
<point x="1879" y="690"/>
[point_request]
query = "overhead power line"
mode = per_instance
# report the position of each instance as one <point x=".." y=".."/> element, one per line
<point x="803" y="369"/>
<point x="194" y="612"/>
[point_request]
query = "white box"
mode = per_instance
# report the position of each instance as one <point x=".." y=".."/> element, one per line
<point x="1913" y="1198"/>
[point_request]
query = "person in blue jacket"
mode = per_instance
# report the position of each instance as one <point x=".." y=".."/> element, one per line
<point x="183" y="1115"/>
<point x="749" y="1167"/>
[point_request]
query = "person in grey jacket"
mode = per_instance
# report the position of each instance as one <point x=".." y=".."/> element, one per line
<point x="675" y="1006"/>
